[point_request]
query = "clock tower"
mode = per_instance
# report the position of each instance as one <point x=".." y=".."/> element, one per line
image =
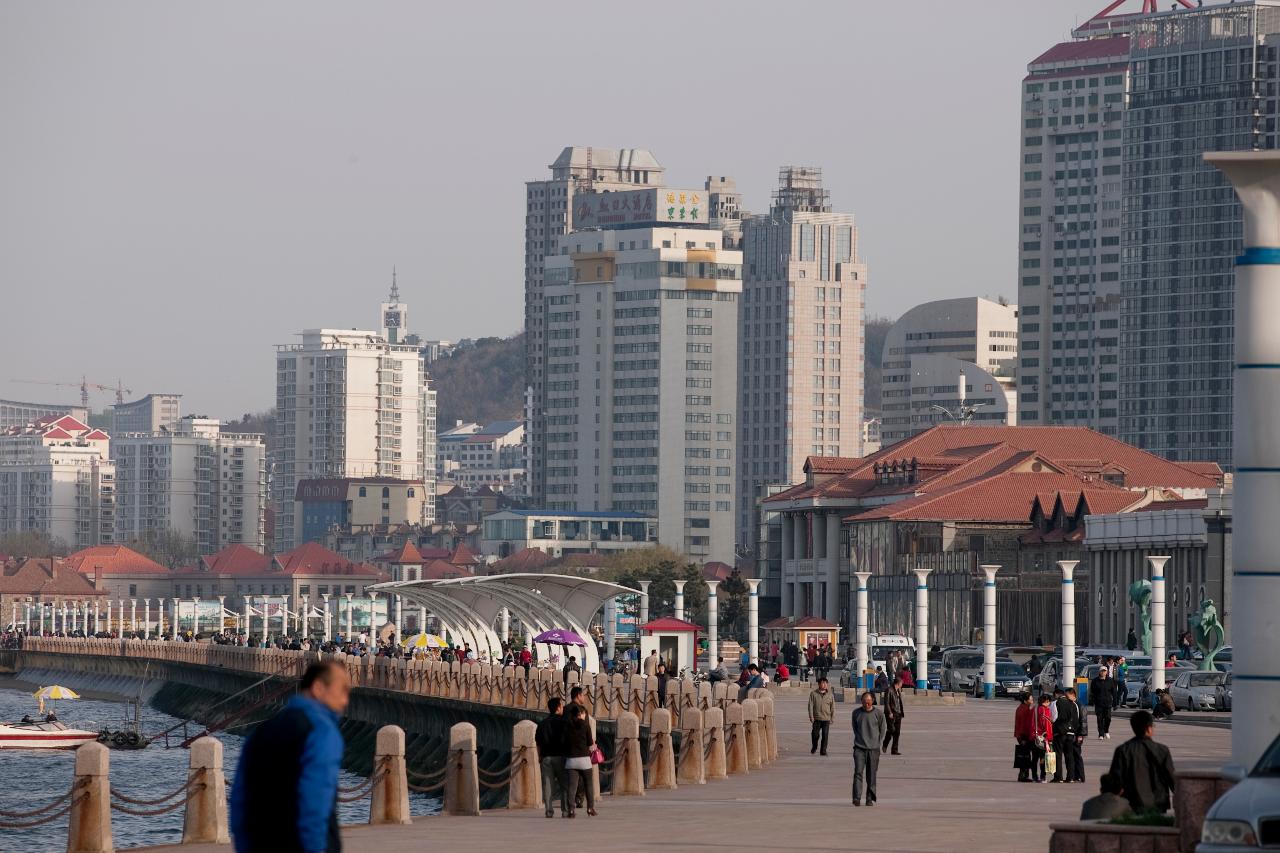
<point x="395" y="315"/>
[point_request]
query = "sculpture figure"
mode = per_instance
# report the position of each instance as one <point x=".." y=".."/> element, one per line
<point x="1140" y="594"/>
<point x="1207" y="632"/>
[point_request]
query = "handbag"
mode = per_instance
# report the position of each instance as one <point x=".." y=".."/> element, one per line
<point x="1051" y="762"/>
<point x="597" y="757"/>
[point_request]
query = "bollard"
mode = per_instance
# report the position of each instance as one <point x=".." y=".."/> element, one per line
<point x="713" y="723"/>
<point x="205" y="818"/>
<point x="768" y="729"/>
<point x="735" y="740"/>
<point x="389" y="800"/>
<point x="662" y="765"/>
<point x="525" y="790"/>
<point x="461" y="780"/>
<point x="628" y="767"/>
<point x="636" y="695"/>
<point x="751" y="729"/>
<point x="690" y="769"/>
<point x="704" y="695"/>
<point x="89" y="829"/>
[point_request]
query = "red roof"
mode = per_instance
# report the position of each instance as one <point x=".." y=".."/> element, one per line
<point x="58" y="433"/>
<point x="524" y="560"/>
<point x="439" y="570"/>
<point x="113" y="560"/>
<point x="815" y="622"/>
<point x="1158" y="506"/>
<point x="462" y="556"/>
<point x="669" y="623"/>
<point x="1113" y="47"/>
<point x="47" y="576"/>
<point x="233" y="560"/>
<point x="98" y="435"/>
<point x="70" y="424"/>
<point x="408" y="554"/>
<point x="716" y="571"/>
<point x="312" y="558"/>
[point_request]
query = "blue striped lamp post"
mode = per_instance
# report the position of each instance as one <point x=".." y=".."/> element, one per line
<point x="989" y="632"/>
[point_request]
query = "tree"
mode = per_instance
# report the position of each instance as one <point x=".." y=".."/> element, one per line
<point x="168" y="547"/>
<point x="734" y="596"/>
<point x="662" y="566"/>
<point x="32" y="543"/>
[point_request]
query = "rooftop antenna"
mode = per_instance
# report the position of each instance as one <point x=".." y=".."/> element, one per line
<point x="395" y="288"/>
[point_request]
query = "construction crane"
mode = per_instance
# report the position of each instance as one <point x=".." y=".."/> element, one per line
<point x="84" y="385"/>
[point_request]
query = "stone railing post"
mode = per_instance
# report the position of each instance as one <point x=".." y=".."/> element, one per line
<point x="389" y="799"/>
<point x="690" y="769"/>
<point x="525" y="789"/>
<point x="735" y="740"/>
<point x="751" y="729"/>
<point x="89" y="828"/>
<point x="205" y="818"/>
<point x="636" y="695"/>
<point x="461" y="780"/>
<point x="768" y="729"/>
<point x="713" y="723"/>
<point x="628" y="767"/>
<point x="662" y="769"/>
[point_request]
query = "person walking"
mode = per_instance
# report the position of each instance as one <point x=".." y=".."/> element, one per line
<point x="1065" y="716"/>
<point x="550" y="740"/>
<point x="577" y="762"/>
<point x="661" y="675"/>
<point x="1102" y="692"/>
<point x="893" y="714"/>
<point x="1144" y="767"/>
<point x="822" y="707"/>
<point x="868" y="733"/>
<point x="285" y="796"/>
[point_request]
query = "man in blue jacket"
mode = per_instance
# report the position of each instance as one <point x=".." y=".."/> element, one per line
<point x="285" y="795"/>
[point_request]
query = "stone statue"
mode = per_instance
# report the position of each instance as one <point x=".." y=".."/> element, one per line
<point x="1208" y="632"/>
<point x="1140" y="594"/>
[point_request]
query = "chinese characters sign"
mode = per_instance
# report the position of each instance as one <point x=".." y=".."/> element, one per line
<point x="657" y="206"/>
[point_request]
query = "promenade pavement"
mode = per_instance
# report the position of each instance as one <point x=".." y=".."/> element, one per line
<point x="952" y="789"/>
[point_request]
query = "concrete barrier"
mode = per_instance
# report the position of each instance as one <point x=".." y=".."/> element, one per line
<point x="769" y="727"/>
<point x="525" y="790"/>
<point x="389" y="799"/>
<point x="735" y="741"/>
<point x="205" y="819"/>
<point x="662" y="765"/>
<point x="89" y="829"/>
<point x="628" y="766"/>
<point x="751" y="731"/>
<point x="713" y="723"/>
<point x="690" y="768"/>
<point x="461" y="778"/>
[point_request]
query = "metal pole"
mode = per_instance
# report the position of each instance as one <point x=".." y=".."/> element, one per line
<point x="863" y="627"/>
<point x="713" y="625"/>
<point x="1068" y="568"/>
<point x="922" y="629"/>
<point x="1158" y="621"/>
<point x="1251" y="614"/>
<point x="989" y="632"/>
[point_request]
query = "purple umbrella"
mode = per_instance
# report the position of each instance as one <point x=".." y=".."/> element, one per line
<point x="559" y="637"/>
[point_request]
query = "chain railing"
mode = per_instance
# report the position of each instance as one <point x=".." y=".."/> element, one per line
<point x="29" y="819"/>
<point x="189" y="790"/>
<point x="435" y="779"/>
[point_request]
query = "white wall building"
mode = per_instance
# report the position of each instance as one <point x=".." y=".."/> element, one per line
<point x="196" y="480"/>
<point x="16" y="413"/>
<point x="510" y="531"/>
<point x="350" y="404"/>
<point x="56" y="477"/>
<point x="641" y="385"/>
<point x="152" y="413"/>
<point x="471" y="455"/>
<point x="928" y="350"/>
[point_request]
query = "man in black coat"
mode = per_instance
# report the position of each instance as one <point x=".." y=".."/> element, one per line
<point x="1065" y="715"/>
<point x="1144" y="767"/>
<point x="549" y="739"/>
<point x="1102" y="693"/>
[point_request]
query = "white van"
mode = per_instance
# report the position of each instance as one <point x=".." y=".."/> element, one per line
<point x="879" y="647"/>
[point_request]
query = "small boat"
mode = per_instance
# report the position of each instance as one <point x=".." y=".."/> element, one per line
<point x="42" y="735"/>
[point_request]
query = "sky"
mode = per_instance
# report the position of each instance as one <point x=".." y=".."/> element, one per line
<point x="183" y="186"/>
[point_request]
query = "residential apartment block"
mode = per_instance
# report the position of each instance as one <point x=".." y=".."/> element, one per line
<point x="351" y="404"/>
<point x="57" y="478"/>
<point x="549" y="214"/>
<point x="640" y="374"/>
<point x="152" y="413"/>
<point x="15" y="413"/>
<point x="475" y="455"/>
<point x="800" y="342"/>
<point x="947" y="360"/>
<point x="195" y="480"/>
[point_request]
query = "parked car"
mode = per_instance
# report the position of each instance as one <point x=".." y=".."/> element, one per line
<point x="935" y="675"/>
<point x="1195" y="690"/>
<point x="961" y="668"/>
<point x="1011" y="679"/>
<point x="1222" y="696"/>
<point x="1134" y="681"/>
<point x="1050" y="677"/>
<point x="1020" y="655"/>
<point x="1248" y="815"/>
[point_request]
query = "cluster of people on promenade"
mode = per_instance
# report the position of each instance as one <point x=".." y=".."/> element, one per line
<point x="815" y="660"/>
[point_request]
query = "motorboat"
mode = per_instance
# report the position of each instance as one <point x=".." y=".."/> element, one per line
<point x="47" y="734"/>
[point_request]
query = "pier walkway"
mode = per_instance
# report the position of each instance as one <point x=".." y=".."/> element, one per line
<point x="952" y="789"/>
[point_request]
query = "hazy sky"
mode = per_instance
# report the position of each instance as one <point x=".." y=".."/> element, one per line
<point x="184" y="185"/>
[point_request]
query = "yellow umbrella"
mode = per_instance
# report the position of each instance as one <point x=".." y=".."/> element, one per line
<point x="425" y="641"/>
<point x="56" y="692"/>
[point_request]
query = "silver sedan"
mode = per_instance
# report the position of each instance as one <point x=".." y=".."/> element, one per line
<point x="1196" y="690"/>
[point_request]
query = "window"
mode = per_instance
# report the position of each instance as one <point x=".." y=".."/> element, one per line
<point x="363" y="492"/>
<point x="410" y="492"/>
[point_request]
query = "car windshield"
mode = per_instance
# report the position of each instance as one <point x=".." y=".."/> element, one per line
<point x="883" y="652"/>
<point x="1138" y="673"/>
<point x="966" y="661"/>
<point x="1010" y="670"/>
<point x="1269" y="764"/>
<point x="1206" y="679"/>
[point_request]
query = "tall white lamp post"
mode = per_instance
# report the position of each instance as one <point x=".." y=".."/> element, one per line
<point x="989" y="631"/>
<point x="922" y="629"/>
<point x="1068" y="568"/>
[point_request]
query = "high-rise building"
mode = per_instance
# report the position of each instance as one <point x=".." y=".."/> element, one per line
<point x="549" y="214"/>
<point x="640" y="375"/>
<point x="1201" y="79"/>
<point x="57" y="478"/>
<point x="15" y="413"/>
<point x="800" y="341"/>
<point x="153" y="413"/>
<point x="1070" y="230"/>
<point x="927" y="353"/>
<point x="724" y="206"/>
<point x="195" y="480"/>
<point x="351" y="404"/>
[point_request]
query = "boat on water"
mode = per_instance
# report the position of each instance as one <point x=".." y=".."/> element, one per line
<point x="42" y="735"/>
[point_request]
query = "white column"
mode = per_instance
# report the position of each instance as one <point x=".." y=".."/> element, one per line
<point x="64" y="617"/>
<point x="1068" y="568"/>
<point x="247" y="618"/>
<point x="610" y="618"/>
<point x="146" y="619"/>
<point x="1158" y="612"/>
<point x="325" y="633"/>
<point x="400" y="618"/>
<point x="1252" y="612"/>
<point x="350" y="619"/>
<point x="195" y="617"/>
<point x="133" y="614"/>
<point x="422" y="621"/>
<point x="159" y="617"/>
<point x="373" y="609"/>
<point x="680" y="599"/>
<point x="304" y="616"/>
<point x="222" y="609"/>
<point x="832" y="556"/>
<point x="26" y="616"/>
<point x="175" y="604"/>
<point x="713" y="624"/>
<point x="284" y="616"/>
<point x="108" y="615"/>
<point x="989" y="632"/>
<point x="266" y="620"/>
<point x="862" y="627"/>
<point x="922" y="629"/>
<point x="753" y="620"/>
<point x="644" y="602"/>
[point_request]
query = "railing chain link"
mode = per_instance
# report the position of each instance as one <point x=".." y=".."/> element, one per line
<point x="137" y="802"/>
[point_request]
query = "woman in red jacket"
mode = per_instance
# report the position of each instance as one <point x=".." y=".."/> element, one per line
<point x="1033" y="731"/>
